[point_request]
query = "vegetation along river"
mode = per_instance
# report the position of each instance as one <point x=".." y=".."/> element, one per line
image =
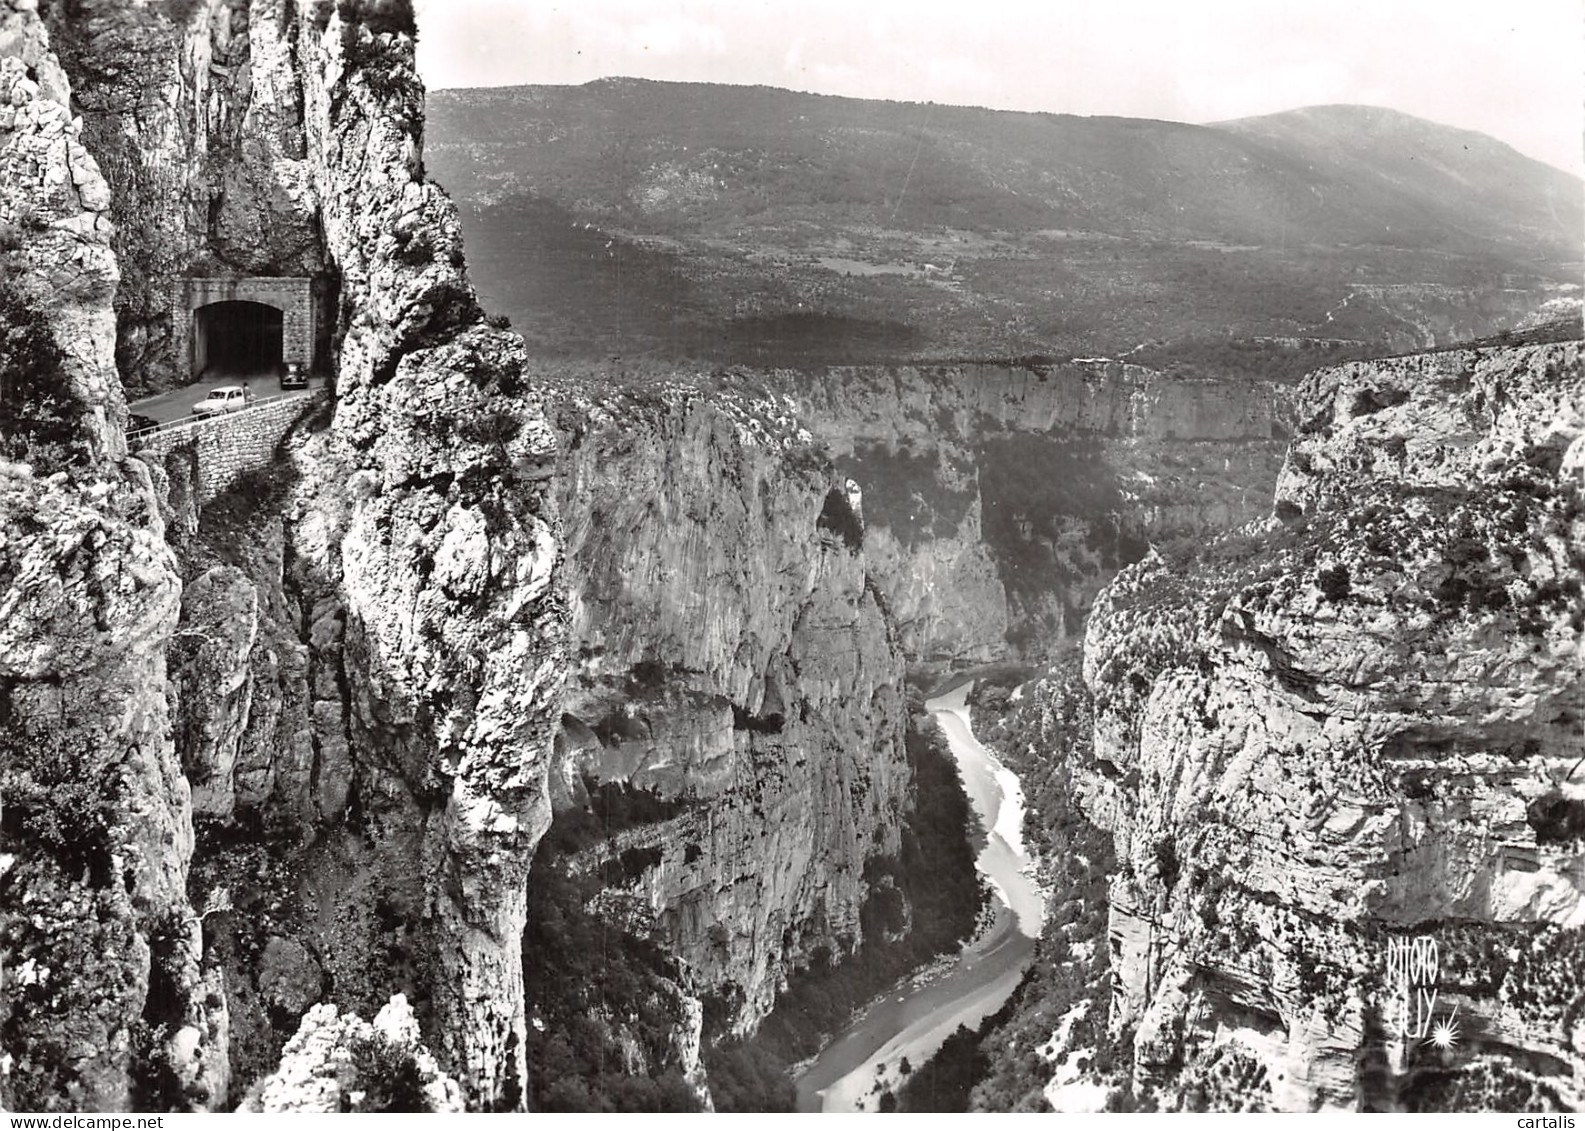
<point x="913" y="1020"/>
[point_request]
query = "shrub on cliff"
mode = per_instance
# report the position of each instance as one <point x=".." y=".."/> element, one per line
<point x="747" y="1077"/>
<point x="1487" y="1086"/>
<point x="1167" y="862"/>
<point x="337" y="1062"/>
<point x="945" y="1081"/>
<point x="1556" y="818"/>
<point x="182" y="11"/>
<point x="1334" y="583"/>
<point x="1368" y="401"/>
<point x="71" y="956"/>
<point x="387" y="1075"/>
<point x="837" y="516"/>
<point x="384" y="65"/>
<point x="71" y="982"/>
<point x="40" y="414"/>
<point x="990" y="698"/>
<point x="60" y="798"/>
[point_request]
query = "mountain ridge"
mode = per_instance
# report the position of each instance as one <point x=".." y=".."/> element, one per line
<point x="754" y="224"/>
<point x="1364" y="108"/>
<point x="1368" y="110"/>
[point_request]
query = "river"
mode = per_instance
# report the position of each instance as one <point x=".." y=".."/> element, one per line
<point x="913" y="1020"/>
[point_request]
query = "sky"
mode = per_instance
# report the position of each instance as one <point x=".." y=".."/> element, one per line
<point x="1514" y="69"/>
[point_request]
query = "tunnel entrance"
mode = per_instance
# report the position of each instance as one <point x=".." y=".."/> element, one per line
<point x="237" y="339"/>
<point x="237" y="326"/>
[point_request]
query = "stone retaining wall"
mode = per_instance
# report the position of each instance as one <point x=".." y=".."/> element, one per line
<point x="227" y="445"/>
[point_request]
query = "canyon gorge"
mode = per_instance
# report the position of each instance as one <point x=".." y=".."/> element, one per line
<point x="1348" y="727"/>
<point x="517" y="714"/>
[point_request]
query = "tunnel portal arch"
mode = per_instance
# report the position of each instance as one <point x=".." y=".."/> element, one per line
<point x="245" y="321"/>
<point x="237" y="338"/>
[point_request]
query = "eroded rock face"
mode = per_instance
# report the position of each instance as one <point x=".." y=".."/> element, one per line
<point x="732" y="658"/>
<point x="93" y="870"/>
<point x="55" y="228"/>
<point x="369" y="661"/>
<point x="443" y="538"/>
<point x="1001" y="499"/>
<point x="98" y="834"/>
<point x="1354" y="723"/>
<point x="401" y="688"/>
<point x="195" y="115"/>
<point x="220" y="620"/>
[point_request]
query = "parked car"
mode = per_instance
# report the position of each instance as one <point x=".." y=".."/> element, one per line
<point x="227" y="398"/>
<point x="294" y="376"/>
<point x="139" y="423"/>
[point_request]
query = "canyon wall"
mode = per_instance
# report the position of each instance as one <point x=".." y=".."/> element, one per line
<point x="96" y="821"/>
<point x="998" y="499"/>
<point x="282" y="753"/>
<point x="337" y="687"/>
<point x="195" y="113"/>
<point x="1350" y="730"/>
<point x="366" y="642"/>
<point x="56" y="231"/>
<point x="732" y="658"/>
<point x="423" y="555"/>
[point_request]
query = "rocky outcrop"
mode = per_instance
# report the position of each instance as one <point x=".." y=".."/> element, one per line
<point x="447" y="558"/>
<point x="734" y="661"/>
<point x="337" y="792"/>
<point x="945" y="587"/>
<point x="1353" y="729"/>
<point x="338" y="1062"/>
<point x="220" y="618"/>
<point x="96" y="932"/>
<point x="370" y="651"/>
<point x="401" y="689"/>
<point x="55" y="229"/>
<point x="1001" y="498"/>
<point x="101" y="994"/>
<point x="195" y="114"/>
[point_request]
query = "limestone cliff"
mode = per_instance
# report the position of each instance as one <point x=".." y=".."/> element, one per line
<point x="96" y="938"/>
<point x="98" y="831"/>
<point x="1000" y="498"/>
<point x="1351" y="732"/>
<point x="195" y="113"/>
<point x="55" y="228"/>
<point x="369" y="651"/>
<point x="334" y="687"/>
<point x="442" y="534"/>
<point x="733" y="658"/>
